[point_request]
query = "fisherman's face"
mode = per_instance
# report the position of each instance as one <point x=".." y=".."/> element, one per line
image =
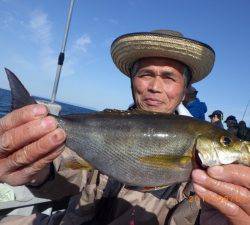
<point x="214" y="119"/>
<point x="158" y="84"/>
<point x="231" y="123"/>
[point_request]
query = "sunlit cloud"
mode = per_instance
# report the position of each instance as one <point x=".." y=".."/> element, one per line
<point x="82" y="43"/>
<point x="41" y="34"/>
<point x="41" y="26"/>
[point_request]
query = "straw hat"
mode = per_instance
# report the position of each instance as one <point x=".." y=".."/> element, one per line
<point x="129" y="48"/>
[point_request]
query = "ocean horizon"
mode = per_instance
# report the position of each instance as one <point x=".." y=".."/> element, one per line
<point x="67" y="108"/>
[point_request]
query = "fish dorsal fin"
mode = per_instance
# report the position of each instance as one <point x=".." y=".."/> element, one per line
<point x="113" y="110"/>
<point x="19" y="95"/>
<point x="132" y="112"/>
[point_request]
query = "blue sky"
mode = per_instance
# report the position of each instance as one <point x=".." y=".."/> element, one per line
<point x="32" y="33"/>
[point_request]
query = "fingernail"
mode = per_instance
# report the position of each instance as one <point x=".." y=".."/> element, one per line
<point x="216" y="171"/>
<point x="59" y="136"/>
<point x="199" y="188"/>
<point x="199" y="176"/>
<point x="39" y="110"/>
<point x="48" y="122"/>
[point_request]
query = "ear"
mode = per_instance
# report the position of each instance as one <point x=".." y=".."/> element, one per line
<point x="184" y="93"/>
<point x="132" y="89"/>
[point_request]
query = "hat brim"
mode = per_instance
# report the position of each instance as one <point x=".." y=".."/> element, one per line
<point x="129" y="48"/>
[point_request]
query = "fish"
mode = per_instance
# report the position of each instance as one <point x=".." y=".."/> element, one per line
<point x="143" y="149"/>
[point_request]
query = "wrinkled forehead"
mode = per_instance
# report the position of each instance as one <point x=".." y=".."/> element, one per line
<point x="158" y="61"/>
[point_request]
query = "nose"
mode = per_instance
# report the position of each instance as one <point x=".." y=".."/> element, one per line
<point x="155" y="84"/>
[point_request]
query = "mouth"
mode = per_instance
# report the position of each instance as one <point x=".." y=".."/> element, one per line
<point x="152" y="102"/>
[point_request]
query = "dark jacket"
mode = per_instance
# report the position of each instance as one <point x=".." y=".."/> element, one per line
<point x="218" y="124"/>
<point x="244" y="134"/>
<point x="197" y="108"/>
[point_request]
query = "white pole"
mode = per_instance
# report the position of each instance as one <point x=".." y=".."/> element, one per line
<point x="61" y="55"/>
<point x="245" y="109"/>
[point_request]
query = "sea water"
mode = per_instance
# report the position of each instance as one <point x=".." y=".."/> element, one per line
<point x="5" y="105"/>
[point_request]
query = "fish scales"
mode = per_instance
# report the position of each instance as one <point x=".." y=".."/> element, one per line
<point x="122" y="144"/>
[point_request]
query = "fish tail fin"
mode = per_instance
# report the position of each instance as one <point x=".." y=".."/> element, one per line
<point x="19" y="95"/>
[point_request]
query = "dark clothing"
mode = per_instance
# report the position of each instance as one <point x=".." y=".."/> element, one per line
<point x="218" y="124"/>
<point x="197" y="108"/>
<point x="233" y="130"/>
<point x="244" y="134"/>
<point x="232" y="125"/>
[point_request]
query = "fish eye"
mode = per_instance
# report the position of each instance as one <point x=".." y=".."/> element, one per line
<point x="226" y="141"/>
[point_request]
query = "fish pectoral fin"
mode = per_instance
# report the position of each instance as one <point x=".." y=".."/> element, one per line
<point x="166" y="161"/>
<point x="77" y="164"/>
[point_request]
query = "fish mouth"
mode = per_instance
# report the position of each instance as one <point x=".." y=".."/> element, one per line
<point x="247" y="144"/>
<point x="198" y="160"/>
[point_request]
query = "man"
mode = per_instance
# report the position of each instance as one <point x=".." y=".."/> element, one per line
<point x="232" y="124"/>
<point x="216" y="118"/>
<point x="197" y="108"/>
<point x="160" y="65"/>
<point x="243" y="131"/>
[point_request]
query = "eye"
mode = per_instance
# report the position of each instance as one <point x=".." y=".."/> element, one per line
<point x="168" y="78"/>
<point x="144" y="76"/>
<point x="168" y="75"/>
<point x="143" y="73"/>
<point x="226" y="141"/>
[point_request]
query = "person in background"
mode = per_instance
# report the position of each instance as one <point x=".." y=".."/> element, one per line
<point x="243" y="131"/>
<point x="193" y="104"/>
<point x="216" y="118"/>
<point x="232" y="124"/>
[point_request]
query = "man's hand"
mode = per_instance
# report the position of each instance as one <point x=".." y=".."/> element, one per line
<point x="227" y="189"/>
<point x="29" y="141"/>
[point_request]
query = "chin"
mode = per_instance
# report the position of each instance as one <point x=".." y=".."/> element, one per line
<point x="156" y="109"/>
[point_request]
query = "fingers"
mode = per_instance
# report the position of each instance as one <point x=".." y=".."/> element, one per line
<point x="229" y="209"/>
<point x="36" y="150"/>
<point x="21" y="116"/>
<point x="26" y="174"/>
<point x="30" y="154"/>
<point x="236" y="174"/>
<point x="28" y="142"/>
<point x="17" y="138"/>
<point x="234" y="193"/>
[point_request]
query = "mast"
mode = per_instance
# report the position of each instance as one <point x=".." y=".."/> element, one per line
<point x="61" y="55"/>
